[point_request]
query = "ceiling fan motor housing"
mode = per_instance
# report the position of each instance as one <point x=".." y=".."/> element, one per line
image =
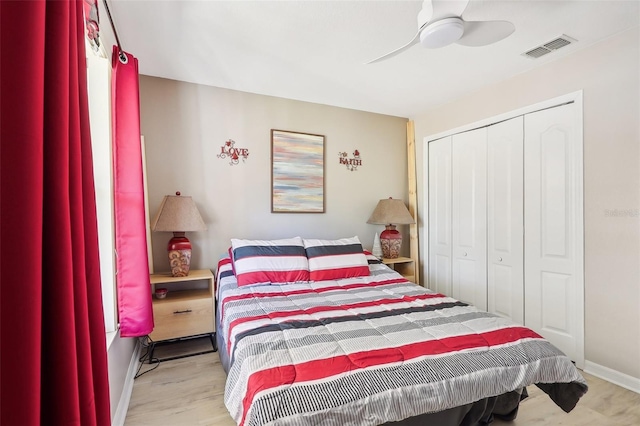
<point x="442" y="33"/>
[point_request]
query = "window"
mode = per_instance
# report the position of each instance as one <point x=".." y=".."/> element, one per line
<point x="99" y="89"/>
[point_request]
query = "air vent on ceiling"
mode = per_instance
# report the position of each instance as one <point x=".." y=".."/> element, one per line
<point x="549" y="47"/>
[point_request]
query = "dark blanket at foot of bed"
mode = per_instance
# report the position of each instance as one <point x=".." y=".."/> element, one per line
<point x="503" y="407"/>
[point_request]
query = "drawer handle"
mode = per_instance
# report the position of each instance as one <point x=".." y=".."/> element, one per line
<point x="186" y="311"/>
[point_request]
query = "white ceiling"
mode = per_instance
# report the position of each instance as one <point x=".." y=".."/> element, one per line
<point x="315" y="50"/>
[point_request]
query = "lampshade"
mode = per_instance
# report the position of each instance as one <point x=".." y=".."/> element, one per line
<point x="178" y="214"/>
<point x="391" y="211"/>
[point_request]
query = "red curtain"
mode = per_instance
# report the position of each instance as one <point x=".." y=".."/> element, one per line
<point x="134" y="288"/>
<point x="53" y="354"/>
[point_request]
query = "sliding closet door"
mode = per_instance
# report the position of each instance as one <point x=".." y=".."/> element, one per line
<point x="440" y="216"/>
<point x="469" y="217"/>
<point x="554" y="228"/>
<point x="505" y="263"/>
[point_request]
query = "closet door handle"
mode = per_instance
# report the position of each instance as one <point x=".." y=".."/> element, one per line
<point x="499" y="259"/>
<point x="464" y="254"/>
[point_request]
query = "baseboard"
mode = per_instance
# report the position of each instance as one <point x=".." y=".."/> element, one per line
<point x="123" y="405"/>
<point x="613" y="376"/>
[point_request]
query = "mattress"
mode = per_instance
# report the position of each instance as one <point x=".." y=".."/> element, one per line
<point x="375" y="350"/>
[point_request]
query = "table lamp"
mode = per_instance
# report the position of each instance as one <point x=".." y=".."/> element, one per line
<point x="178" y="214"/>
<point x="391" y="212"/>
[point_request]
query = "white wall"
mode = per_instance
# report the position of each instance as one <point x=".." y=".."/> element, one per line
<point x="121" y="349"/>
<point x="120" y="357"/>
<point x="609" y="75"/>
<point x="185" y="126"/>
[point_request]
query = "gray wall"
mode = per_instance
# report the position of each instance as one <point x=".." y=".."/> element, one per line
<point x="609" y="75"/>
<point x="185" y="126"/>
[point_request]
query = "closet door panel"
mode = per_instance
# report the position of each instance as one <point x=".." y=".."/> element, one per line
<point x="505" y="263"/>
<point x="469" y="217"/>
<point x="440" y="216"/>
<point x="553" y="221"/>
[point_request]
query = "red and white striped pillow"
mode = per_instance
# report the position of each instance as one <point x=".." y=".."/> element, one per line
<point x="269" y="261"/>
<point x="371" y="259"/>
<point x="233" y="267"/>
<point x="335" y="259"/>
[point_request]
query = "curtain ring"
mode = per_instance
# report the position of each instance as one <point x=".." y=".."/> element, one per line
<point x="123" y="57"/>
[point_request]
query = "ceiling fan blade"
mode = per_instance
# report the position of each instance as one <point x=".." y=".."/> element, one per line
<point x="447" y="8"/>
<point x="393" y="53"/>
<point x="435" y="10"/>
<point x="482" y="33"/>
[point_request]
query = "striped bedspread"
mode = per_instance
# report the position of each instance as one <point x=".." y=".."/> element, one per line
<point x="368" y="350"/>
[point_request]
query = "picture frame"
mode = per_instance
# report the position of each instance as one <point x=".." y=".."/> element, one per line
<point x="297" y="172"/>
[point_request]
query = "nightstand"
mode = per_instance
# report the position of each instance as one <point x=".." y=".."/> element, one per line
<point x="185" y="312"/>
<point x="405" y="266"/>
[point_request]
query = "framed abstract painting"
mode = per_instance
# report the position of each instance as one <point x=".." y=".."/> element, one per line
<point x="297" y="172"/>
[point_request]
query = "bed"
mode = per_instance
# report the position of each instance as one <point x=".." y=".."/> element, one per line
<point x="368" y="349"/>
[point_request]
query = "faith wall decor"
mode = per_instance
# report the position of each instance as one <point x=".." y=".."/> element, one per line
<point x="351" y="163"/>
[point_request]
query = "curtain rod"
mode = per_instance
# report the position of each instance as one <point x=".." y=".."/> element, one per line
<point x="121" y="54"/>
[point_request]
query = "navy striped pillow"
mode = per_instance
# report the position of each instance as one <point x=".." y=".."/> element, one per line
<point x="336" y="259"/>
<point x="269" y="261"/>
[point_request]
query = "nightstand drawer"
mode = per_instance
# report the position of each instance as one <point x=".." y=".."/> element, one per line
<point x="182" y="313"/>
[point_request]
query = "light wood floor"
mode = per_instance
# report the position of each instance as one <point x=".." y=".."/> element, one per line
<point x="190" y="391"/>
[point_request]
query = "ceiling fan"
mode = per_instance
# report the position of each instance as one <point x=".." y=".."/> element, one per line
<point x="440" y="23"/>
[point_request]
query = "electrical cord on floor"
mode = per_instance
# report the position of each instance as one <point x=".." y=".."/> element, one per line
<point x="144" y="342"/>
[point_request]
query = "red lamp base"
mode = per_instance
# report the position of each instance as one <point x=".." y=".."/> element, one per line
<point x="391" y="241"/>
<point x="179" y="249"/>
